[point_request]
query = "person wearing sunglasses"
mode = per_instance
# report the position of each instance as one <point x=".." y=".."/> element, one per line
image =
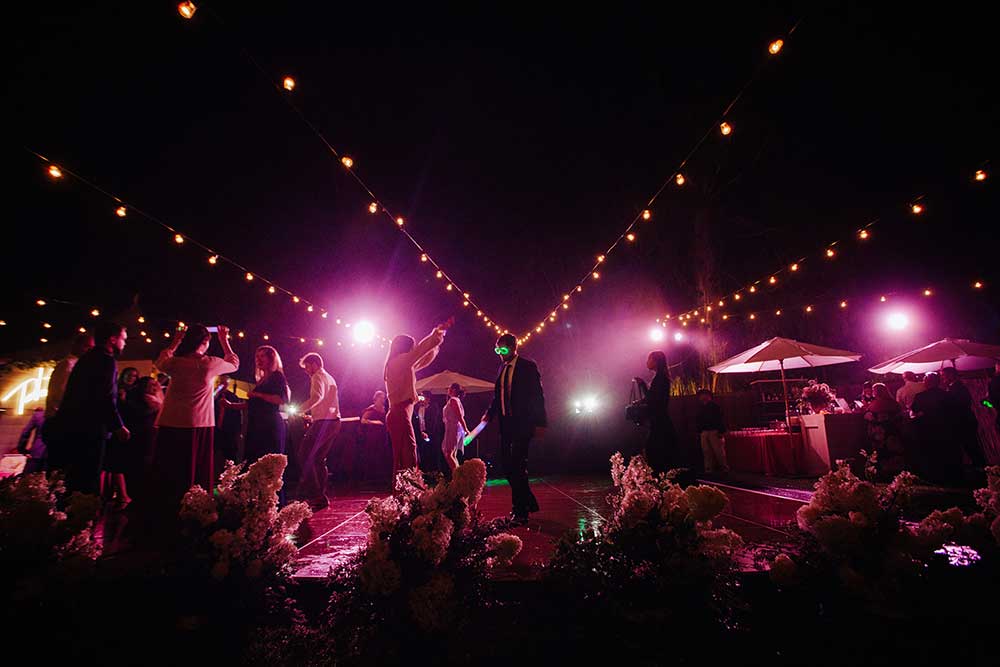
<point x="519" y="404"/>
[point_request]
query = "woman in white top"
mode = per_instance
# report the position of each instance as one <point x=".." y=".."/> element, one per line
<point x="186" y="425"/>
<point x="455" y="428"/>
<point x="406" y="357"/>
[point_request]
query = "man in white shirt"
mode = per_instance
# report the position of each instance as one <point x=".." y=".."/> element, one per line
<point x="911" y="387"/>
<point x="324" y="405"/>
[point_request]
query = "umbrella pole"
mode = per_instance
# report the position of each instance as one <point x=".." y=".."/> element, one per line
<point x="784" y="391"/>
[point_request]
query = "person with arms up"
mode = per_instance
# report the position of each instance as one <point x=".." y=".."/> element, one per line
<point x="88" y="412"/>
<point x="185" y="437"/>
<point x="314" y="448"/>
<point x="519" y="404"/>
<point x="405" y="358"/>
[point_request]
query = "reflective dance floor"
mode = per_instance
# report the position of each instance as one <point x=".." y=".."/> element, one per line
<point x="569" y="505"/>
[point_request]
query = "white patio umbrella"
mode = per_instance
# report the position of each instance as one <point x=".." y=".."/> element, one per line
<point x="439" y="383"/>
<point x="963" y="354"/>
<point x="779" y="354"/>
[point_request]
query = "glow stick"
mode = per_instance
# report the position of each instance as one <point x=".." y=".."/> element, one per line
<point x="472" y="436"/>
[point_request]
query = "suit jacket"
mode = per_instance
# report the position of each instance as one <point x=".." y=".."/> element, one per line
<point x="90" y="405"/>
<point x="527" y="401"/>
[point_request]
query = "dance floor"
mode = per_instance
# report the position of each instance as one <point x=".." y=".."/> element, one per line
<point x="569" y="505"/>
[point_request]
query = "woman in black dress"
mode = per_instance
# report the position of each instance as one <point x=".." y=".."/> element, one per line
<point x="661" y="447"/>
<point x="139" y="411"/>
<point x="265" y="426"/>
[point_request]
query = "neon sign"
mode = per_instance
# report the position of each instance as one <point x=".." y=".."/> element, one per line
<point x="31" y="390"/>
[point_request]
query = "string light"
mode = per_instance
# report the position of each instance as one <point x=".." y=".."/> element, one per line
<point x="240" y="334"/>
<point x="679" y="179"/>
<point x="773" y="280"/>
<point x="596" y="275"/>
<point x="266" y="337"/>
<point x="178" y="239"/>
<point x="439" y="274"/>
<point x="423" y="257"/>
<point x="830" y="252"/>
<point x="928" y="292"/>
<point x="373" y="208"/>
<point x="55" y="172"/>
<point x="324" y="315"/>
<point x="43" y="340"/>
<point x="630" y="236"/>
<point x="288" y="83"/>
<point x="302" y="340"/>
<point x="82" y="329"/>
<point x="775" y="47"/>
<point x="187" y="9"/>
<point x="752" y="289"/>
<point x="181" y="326"/>
<point x="883" y="298"/>
<point x="46" y="325"/>
<point x="95" y="313"/>
<point x="809" y="309"/>
<point x="977" y="285"/>
<point x="249" y="277"/>
<point x="142" y="333"/>
<point x="347" y="161"/>
<point x="726" y="129"/>
<point x="399" y="221"/>
<point x="149" y="340"/>
<point x="121" y="211"/>
<point x="40" y="302"/>
<point x="465" y="303"/>
<point x="166" y="334"/>
<point x="864" y="235"/>
<point x="296" y="299"/>
<point x="980" y="175"/>
<point x="778" y="312"/>
<point x="752" y="316"/>
<point x="213" y="260"/>
<point x="3" y="323"/>
<point x="794" y="267"/>
<point x="843" y="304"/>
<point x="579" y="288"/>
<point x="309" y="308"/>
<point x="565" y="306"/>
<point x="320" y="342"/>
<point x="449" y="287"/>
<point x="917" y="209"/>
<point x="600" y="258"/>
<point x="737" y="297"/>
<point x="647" y="214"/>
<point x="725" y="317"/>
<point x="721" y="304"/>
<point x="270" y="288"/>
<point x="141" y="320"/>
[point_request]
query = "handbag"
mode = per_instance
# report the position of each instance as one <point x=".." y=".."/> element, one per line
<point x="637" y="410"/>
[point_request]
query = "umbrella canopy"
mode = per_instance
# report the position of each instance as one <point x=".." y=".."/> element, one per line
<point x="783" y="353"/>
<point x="439" y="383"/>
<point x="963" y="354"/>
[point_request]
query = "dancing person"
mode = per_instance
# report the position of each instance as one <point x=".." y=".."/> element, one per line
<point x="88" y="412"/>
<point x="265" y="425"/>
<point x="82" y="344"/>
<point x="116" y="456"/>
<point x="519" y="404"/>
<point x="711" y="428"/>
<point x="375" y="413"/>
<point x="405" y="358"/>
<point x="314" y="448"/>
<point x="185" y="437"/>
<point x="33" y="448"/>
<point x="911" y="387"/>
<point x="126" y="381"/>
<point x="661" y="445"/>
<point x="965" y="425"/>
<point x="139" y="411"/>
<point x="455" y="428"/>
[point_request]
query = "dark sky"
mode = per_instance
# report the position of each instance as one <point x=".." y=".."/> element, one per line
<point x="516" y="144"/>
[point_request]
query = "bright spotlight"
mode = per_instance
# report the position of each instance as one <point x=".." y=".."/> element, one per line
<point x="292" y="409"/>
<point x="585" y="405"/>
<point x="678" y="336"/>
<point x="656" y="334"/>
<point x="897" y="321"/>
<point x="364" y="332"/>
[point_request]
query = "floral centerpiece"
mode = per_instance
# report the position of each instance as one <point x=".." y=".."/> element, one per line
<point x="659" y="553"/>
<point x="817" y="396"/>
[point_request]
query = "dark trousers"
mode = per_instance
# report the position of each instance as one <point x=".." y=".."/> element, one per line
<point x="514" y="459"/>
<point x="79" y="458"/>
<point x="314" y="449"/>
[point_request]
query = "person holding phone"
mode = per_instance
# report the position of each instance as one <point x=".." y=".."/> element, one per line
<point x="405" y="358"/>
<point x="183" y="450"/>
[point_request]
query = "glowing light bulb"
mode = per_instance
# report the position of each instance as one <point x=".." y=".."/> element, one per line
<point x="647" y="214"/>
<point x="95" y="313"/>
<point x="121" y="211"/>
<point x="187" y="9"/>
<point x="977" y="285"/>
<point x="830" y="252"/>
<point x="3" y="323"/>
<point x="399" y="221"/>
<point x="656" y="334"/>
<point x="142" y="333"/>
<point x="725" y="317"/>
<point x="423" y="257"/>
<point x="149" y="340"/>
<point x="439" y="274"/>
<point x="240" y="334"/>
<point x="347" y="161"/>
<point x="775" y="47"/>
<point x="295" y="299"/>
<point x="864" y="235"/>
<point x="178" y="239"/>
<point x="726" y="129"/>
<point x="54" y="171"/>
<point x="778" y="312"/>
<point x="450" y="287"/>
<point x="596" y="275"/>
<point x="465" y="303"/>
<point x="249" y="277"/>
<point x="883" y="298"/>
<point x="752" y="316"/>
<point x="565" y="306"/>
<point x="43" y="340"/>
<point x="737" y="297"/>
<point x="679" y="179"/>
<point x="721" y="303"/>
<point x="579" y="288"/>
<point x="980" y="175"/>
<point x="320" y="342"/>
<point x="270" y="289"/>
<point x="927" y="292"/>
<point x="141" y="320"/>
<point x="309" y="308"/>
<point x="213" y="260"/>
<point x="917" y="209"/>
<point x="40" y="302"/>
<point x="166" y="334"/>
<point x="809" y="309"/>
<point x="325" y="314"/>
<point x="82" y="329"/>
<point x="479" y="313"/>
<point x="630" y="236"/>
<point x="538" y="330"/>
<point x="600" y="258"/>
<point x="46" y="325"/>
<point x="843" y="304"/>
<point x="772" y="280"/>
<point x="302" y="340"/>
<point x="752" y="289"/>
<point x="708" y="309"/>
<point x="288" y="84"/>
<point x="794" y="267"/>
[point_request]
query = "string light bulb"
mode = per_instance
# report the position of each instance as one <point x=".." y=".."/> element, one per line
<point x="726" y="129"/>
<point x="565" y="306"/>
<point x="725" y="317"/>
<point x="600" y="258"/>
<point x="324" y="314"/>
<point x="439" y="274"/>
<point x="240" y="334"/>
<point x="752" y="316"/>
<point x="266" y="337"/>
<point x="213" y="260"/>
<point x="843" y="304"/>
<point x="465" y="303"/>
<point x="928" y="292"/>
<point x="46" y="325"/>
<point x="809" y="309"/>
<point x="295" y="299"/>
<point x="187" y="9"/>
<point x="864" y="235"/>
<point x="630" y="237"/>
<point x="647" y="214"/>
<point x="302" y="340"/>
<point x="793" y="267"/>
<point x="773" y="280"/>
<point x="178" y="239"/>
<point x="309" y="308"/>
<point x="399" y="221"/>
<point x="830" y="252"/>
<point x="596" y="275"/>
<point x="449" y="287"/>
<point x="737" y="297"/>
<point x="54" y="171"/>
<point x="977" y="285"/>
<point x="778" y="312"/>
<point x="40" y="302"/>
<point x="752" y="289"/>
<point x="149" y="340"/>
<point x="288" y="84"/>
<point x="43" y="340"/>
<point x="679" y="179"/>
<point x="721" y="303"/>
<point x="82" y="329"/>
<point x="271" y="289"/>
<point x="373" y="208"/>
<point x="121" y="211"/>
<point x="980" y="175"/>
<point x="95" y="313"/>
<point x="320" y="342"/>
<point x="423" y="257"/>
<point x="917" y="209"/>
<point x="141" y="320"/>
<point x="883" y="298"/>
<point x="347" y="161"/>
<point x="249" y="277"/>
<point x="579" y="288"/>
<point x="774" y="48"/>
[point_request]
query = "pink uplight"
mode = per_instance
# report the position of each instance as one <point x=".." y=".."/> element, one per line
<point x="678" y="336"/>
<point x="364" y="331"/>
<point x="656" y="334"/>
<point x="897" y="321"/>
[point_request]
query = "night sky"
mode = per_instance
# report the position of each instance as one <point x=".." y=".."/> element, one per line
<point x="517" y="146"/>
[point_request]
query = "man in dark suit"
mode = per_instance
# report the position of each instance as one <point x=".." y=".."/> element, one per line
<point x="88" y="413"/>
<point x="519" y="403"/>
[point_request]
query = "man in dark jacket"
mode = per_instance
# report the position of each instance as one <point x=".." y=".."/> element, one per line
<point x="519" y="403"/>
<point x="964" y="422"/>
<point x="711" y="427"/>
<point x="88" y="414"/>
<point x="938" y="456"/>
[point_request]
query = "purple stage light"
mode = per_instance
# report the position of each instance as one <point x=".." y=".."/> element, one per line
<point x="656" y="334"/>
<point x="897" y="321"/>
<point x="364" y="331"/>
<point x="678" y="336"/>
